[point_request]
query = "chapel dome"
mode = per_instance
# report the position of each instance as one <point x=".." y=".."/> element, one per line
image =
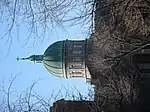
<point x="54" y="58"/>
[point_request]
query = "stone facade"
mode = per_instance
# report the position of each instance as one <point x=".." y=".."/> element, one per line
<point x="75" y="62"/>
<point x="102" y="13"/>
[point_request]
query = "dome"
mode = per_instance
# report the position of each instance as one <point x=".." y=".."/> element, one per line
<point x="64" y="59"/>
<point x="53" y="59"/>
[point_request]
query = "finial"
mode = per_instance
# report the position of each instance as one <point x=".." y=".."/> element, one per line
<point x="33" y="58"/>
<point x="17" y="58"/>
<point x="21" y="58"/>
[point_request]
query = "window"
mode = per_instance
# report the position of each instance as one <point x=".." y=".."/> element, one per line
<point x="76" y="65"/>
<point x="77" y="46"/>
<point x="77" y="59"/>
<point x="76" y="72"/>
<point x="76" y="52"/>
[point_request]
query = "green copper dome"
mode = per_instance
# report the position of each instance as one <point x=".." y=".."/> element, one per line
<point x="53" y="58"/>
<point x="63" y="59"/>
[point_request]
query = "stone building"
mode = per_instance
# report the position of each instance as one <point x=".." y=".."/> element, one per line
<point x="69" y="58"/>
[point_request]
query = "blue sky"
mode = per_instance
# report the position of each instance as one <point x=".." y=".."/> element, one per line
<point x="28" y="72"/>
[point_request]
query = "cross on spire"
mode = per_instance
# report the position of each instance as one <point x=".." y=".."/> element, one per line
<point x="33" y="58"/>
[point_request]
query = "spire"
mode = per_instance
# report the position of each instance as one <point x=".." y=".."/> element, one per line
<point x="33" y="58"/>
